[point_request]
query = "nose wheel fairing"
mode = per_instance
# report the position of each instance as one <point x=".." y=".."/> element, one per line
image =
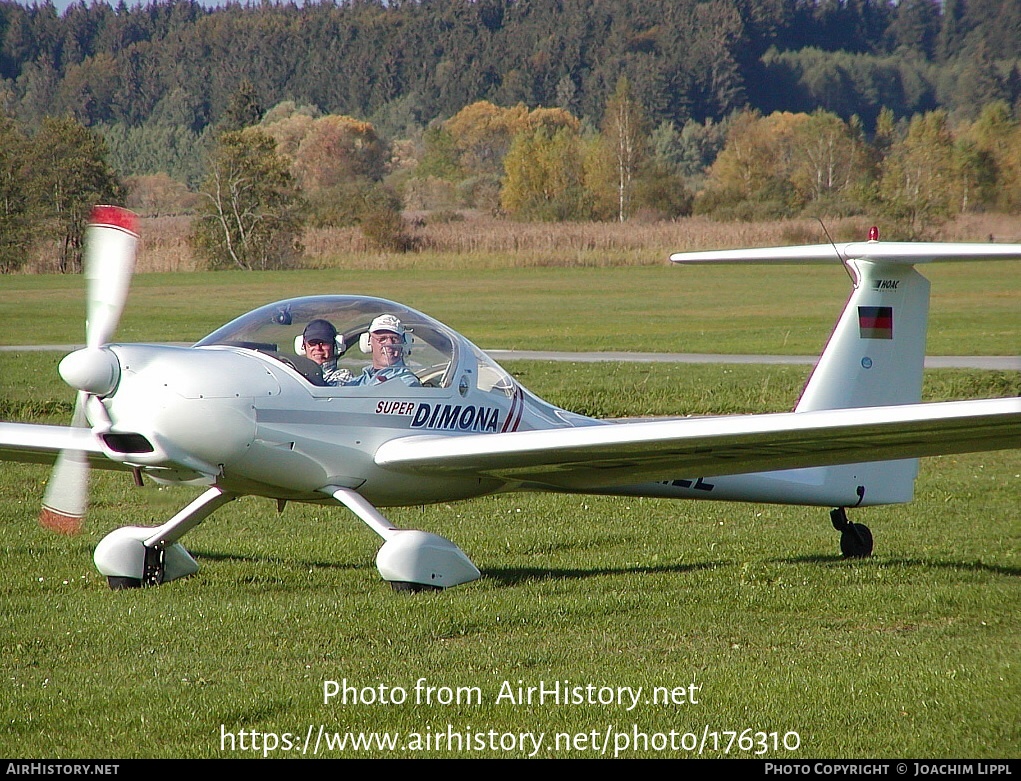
<point x="128" y="563"/>
<point x="134" y="556"/>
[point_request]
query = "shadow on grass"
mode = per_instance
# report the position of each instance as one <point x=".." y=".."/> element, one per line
<point x="286" y="562"/>
<point x="512" y="576"/>
<point x="969" y="566"/>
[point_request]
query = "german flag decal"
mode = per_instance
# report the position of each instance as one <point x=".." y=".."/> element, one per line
<point x="875" y="322"/>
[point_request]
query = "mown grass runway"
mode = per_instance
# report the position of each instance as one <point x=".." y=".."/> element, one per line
<point x="730" y="309"/>
<point x="915" y="652"/>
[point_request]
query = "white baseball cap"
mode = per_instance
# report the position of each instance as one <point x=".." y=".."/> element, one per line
<point x="387" y="323"/>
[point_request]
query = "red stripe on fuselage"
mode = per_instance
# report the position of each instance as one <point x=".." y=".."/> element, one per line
<point x="514" y="413"/>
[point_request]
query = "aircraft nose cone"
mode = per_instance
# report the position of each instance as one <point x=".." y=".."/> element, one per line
<point x="94" y="370"/>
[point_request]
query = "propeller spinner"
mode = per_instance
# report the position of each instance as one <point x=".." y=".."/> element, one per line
<point x="110" y="245"/>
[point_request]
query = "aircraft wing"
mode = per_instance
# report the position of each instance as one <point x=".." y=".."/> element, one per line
<point x="629" y="452"/>
<point x="36" y="443"/>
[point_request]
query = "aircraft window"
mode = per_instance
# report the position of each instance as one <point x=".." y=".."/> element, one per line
<point x="491" y="376"/>
<point x="276" y="330"/>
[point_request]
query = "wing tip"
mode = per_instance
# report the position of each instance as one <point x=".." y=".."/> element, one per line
<point x="59" y="522"/>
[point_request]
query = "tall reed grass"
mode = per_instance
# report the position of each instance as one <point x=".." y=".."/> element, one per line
<point x="483" y="241"/>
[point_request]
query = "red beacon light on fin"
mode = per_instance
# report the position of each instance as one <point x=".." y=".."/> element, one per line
<point x="873" y="233"/>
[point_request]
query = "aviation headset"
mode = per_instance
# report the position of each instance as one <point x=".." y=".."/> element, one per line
<point x="322" y="330"/>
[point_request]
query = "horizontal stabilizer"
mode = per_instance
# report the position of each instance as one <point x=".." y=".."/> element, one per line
<point x="879" y="251"/>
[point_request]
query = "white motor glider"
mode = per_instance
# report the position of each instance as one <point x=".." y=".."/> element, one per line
<point x="246" y="412"/>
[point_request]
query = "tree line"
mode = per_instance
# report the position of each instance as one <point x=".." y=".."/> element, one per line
<point x="271" y="173"/>
<point x="294" y="167"/>
<point x="50" y="179"/>
<point x="915" y="172"/>
<point x="573" y="109"/>
<point x="404" y="63"/>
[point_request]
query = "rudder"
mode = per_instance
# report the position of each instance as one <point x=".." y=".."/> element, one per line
<point x="876" y="353"/>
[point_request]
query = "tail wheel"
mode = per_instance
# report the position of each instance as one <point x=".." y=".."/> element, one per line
<point x="855" y="538"/>
<point x="856" y="541"/>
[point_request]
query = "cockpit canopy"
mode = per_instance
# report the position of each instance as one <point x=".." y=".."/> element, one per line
<point x="276" y="329"/>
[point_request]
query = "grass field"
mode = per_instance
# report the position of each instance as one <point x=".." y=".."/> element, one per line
<point x="782" y="310"/>
<point x="792" y="651"/>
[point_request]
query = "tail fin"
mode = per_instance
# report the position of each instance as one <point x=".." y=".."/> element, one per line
<point x="876" y="353"/>
<point x="874" y="357"/>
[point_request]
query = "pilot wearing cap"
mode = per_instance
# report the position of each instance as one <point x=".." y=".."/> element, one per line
<point x="388" y="343"/>
<point x="320" y="344"/>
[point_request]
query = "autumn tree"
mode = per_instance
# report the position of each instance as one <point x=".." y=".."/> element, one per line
<point x="552" y="120"/>
<point x="336" y="160"/>
<point x="253" y="213"/>
<point x="67" y="173"/>
<point x="407" y="63"/>
<point x="920" y="183"/>
<point x="751" y="176"/>
<point x="338" y="163"/>
<point x="996" y="137"/>
<point x="338" y="148"/>
<point x="159" y="194"/>
<point x="544" y="175"/>
<point x="470" y="148"/>
<point x="828" y="158"/>
<point x="480" y="135"/>
<point x="623" y="134"/>
<point x="288" y="124"/>
<point x="15" y="215"/>
<point x="483" y="133"/>
<point x="784" y="163"/>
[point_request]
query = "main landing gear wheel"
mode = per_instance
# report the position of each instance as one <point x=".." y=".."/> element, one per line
<point x="128" y="562"/>
<point x="411" y="561"/>
<point x="152" y="571"/>
<point x="855" y="538"/>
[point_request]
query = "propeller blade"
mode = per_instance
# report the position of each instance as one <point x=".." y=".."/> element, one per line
<point x="111" y="242"/>
<point x="67" y="490"/>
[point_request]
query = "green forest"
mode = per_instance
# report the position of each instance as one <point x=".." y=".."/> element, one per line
<point x="363" y="112"/>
